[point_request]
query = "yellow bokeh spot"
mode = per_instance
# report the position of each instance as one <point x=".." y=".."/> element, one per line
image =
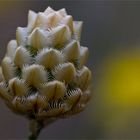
<point x="121" y="80"/>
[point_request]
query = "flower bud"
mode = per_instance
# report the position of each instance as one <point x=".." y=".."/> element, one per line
<point x="18" y="87"/>
<point x="31" y="20"/>
<point x="71" y="51"/>
<point x="48" y="11"/>
<point x="77" y="29"/>
<point x="68" y="20"/>
<point x="53" y="90"/>
<point x="72" y="97"/>
<point x="49" y="58"/>
<point x="34" y="75"/>
<point x="59" y="36"/>
<point x="21" y="36"/>
<point x="65" y="72"/>
<point x="84" y="53"/>
<point x="46" y="22"/>
<point x="84" y="78"/>
<point x="38" y="39"/>
<point x="23" y="55"/>
<point x="11" y="48"/>
<point x="7" y="68"/>
<point x="62" y="12"/>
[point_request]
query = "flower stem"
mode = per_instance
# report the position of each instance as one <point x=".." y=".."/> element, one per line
<point x="35" y="129"/>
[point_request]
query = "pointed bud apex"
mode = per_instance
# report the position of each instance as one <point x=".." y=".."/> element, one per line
<point x="62" y="12"/>
<point x="31" y="20"/>
<point x="11" y="48"/>
<point x="34" y="75"/>
<point x="84" y="53"/>
<point x="22" y="57"/>
<point x="7" y="68"/>
<point x="21" y="36"/>
<point x="48" y="11"/>
<point x="72" y="51"/>
<point x="84" y="78"/>
<point x="78" y="29"/>
<point x="68" y="20"/>
<point x="18" y="87"/>
<point x="60" y="35"/>
<point x="49" y="58"/>
<point x="38" y="39"/>
<point x="65" y="72"/>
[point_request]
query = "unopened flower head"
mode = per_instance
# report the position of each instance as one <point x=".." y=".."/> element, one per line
<point x="43" y="74"/>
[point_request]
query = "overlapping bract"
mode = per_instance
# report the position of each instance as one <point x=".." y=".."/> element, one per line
<point x="43" y="73"/>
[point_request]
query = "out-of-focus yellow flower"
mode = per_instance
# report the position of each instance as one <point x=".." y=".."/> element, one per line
<point x="122" y="79"/>
<point x="117" y="109"/>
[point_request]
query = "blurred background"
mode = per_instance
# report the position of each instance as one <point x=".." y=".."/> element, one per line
<point x="112" y="34"/>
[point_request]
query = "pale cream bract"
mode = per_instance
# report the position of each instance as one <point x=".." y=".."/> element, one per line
<point x="43" y="74"/>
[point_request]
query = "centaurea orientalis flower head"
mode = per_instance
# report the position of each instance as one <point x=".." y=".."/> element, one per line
<point x="43" y="74"/>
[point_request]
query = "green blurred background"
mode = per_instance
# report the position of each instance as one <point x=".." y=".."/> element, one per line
<point x="112" y="34"/>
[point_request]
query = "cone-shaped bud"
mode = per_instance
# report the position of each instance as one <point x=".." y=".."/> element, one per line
<point x="65" y="72"/>
<point x="21" y="36"/>
<point x="84" y="78"/>
<point x="18" y="87"/>
<point x="60" y="35"/>
<point x="22" y="57"/>
<point x="38" y="39"/>
<point x="77" y="29"/>
<point x="71" y="51"/>
<point x="68" y="20"/>
<point x="4" y="92"/>
<point x="49" y="58"/>
<point x="31" y="20"/>
<point x="34" y="75"/>
<point x="84" y="53"/>
<point x="11" y="48"/>
<point x="7" y="68"/>
<point x="72" y="97"/>
<point x="53" y="90"/>
<point x="48" y="11"/>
